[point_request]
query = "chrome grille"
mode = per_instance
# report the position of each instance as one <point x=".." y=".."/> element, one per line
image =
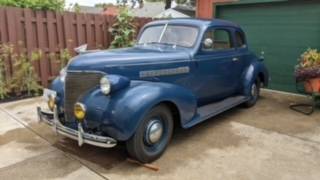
<point x="76" y="84"/>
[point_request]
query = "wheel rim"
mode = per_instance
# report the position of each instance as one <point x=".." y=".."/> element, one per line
<point x="154" y="132"/>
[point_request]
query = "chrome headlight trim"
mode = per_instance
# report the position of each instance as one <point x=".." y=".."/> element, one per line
<point x="105" y="85"/>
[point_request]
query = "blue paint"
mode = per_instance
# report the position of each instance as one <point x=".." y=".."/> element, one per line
<point x="211" y="77"/>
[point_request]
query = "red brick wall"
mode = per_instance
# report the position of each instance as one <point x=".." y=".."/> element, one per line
<point x="206" y="8"/>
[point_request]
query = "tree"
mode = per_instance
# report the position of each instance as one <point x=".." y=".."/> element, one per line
<point x="134" y="2"/>
<point x="168" y="3"/>
<point x="123" y="30"/>
<point x="54" y="5"/>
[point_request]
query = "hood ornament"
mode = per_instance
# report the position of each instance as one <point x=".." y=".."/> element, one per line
<point x="81" y="49"/>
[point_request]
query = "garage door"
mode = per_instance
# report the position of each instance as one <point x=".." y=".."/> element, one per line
<point x="282" y="30"/>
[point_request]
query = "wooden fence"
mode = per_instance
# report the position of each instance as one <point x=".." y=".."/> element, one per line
<point x="52" y="31"/>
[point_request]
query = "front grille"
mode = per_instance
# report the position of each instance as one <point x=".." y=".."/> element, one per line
<point x="76" y="85"/>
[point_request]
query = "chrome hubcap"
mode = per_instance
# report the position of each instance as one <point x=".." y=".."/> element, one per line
<point x="154" y="131"/>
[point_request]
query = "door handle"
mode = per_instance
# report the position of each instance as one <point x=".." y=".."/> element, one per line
<point x="235" y="59"/>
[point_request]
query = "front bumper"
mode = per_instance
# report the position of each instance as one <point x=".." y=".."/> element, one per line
<point x="52" y="119"/>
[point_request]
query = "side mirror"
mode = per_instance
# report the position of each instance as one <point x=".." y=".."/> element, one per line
<point x="81" y="49"/>
<point x="208" y="43"/>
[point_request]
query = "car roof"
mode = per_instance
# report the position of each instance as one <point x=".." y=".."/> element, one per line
<point x="196" y="22"/>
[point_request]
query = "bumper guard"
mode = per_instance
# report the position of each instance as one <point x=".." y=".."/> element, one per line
<point x="80" y="135"/>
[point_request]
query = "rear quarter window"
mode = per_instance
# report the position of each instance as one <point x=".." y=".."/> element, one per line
<point x="240" y="40"/>
<point x="221" y="39"/>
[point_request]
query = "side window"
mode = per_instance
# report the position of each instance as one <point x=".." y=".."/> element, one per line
<point x="216" y="40"/>
<point x="240" y="40"/>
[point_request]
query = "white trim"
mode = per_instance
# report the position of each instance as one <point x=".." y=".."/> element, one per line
<point x="283" y="92"/>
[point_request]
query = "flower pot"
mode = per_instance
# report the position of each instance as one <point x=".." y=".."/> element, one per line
<point x="312" y="85"/>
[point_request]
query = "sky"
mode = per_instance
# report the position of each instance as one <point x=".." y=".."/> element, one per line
<point x="89" y="2"/>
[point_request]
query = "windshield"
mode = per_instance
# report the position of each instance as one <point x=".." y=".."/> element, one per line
<point x="176" y="35"/>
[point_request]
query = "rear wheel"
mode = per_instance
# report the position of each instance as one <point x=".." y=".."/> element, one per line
<point x="254" y="93"/>
<point x="152" y="136"/>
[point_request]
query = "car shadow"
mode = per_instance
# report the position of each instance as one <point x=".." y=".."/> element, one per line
<point x="103" y="160"/>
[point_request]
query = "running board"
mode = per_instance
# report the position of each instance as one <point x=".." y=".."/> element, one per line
<point x="211" y="110"/>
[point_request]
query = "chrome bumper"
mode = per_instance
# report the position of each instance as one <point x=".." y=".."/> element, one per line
<point x="80" y="135"/>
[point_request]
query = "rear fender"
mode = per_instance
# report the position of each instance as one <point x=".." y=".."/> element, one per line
<point x="251" y="74"/>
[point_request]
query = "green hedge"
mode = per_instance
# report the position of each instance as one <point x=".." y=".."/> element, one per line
<point x="54" y="5"/>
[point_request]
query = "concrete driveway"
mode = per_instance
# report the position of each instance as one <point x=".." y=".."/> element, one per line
<point x="268" y="141"/>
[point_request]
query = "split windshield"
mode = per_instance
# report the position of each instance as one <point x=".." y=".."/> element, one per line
<point x="176" y="35"/>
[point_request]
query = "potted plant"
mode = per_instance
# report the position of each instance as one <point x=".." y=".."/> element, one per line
<point x="308" y="70"/>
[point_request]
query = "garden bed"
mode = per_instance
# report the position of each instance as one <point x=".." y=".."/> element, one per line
<point x="15" y="97"/>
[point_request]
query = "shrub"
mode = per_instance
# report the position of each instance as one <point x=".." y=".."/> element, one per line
<point x="25" y="78"/>
<point x="123" y="30"/>
<point x="65" y="56"/>
<point x="5" y="52"/>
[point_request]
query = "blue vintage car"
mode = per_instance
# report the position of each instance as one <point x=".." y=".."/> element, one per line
<point x="181" y="72"/>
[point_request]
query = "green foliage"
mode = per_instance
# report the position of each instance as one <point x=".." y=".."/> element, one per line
<point x="25" y="78"/>
<point x="5" y="52"/>
<point x="54" y="5"/>
<point x="123" y="30"/>
<point x="76" y="8"/>
<point x="65" y="56"/>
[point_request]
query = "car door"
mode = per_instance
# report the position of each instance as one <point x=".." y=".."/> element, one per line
<point x="216" y="75"/>
<point x="242" y="57"/>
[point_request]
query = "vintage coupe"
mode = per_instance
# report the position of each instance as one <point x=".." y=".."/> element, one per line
<point x="180" y="73"/>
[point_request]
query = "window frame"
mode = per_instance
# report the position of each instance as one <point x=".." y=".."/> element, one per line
<point x="245" y="45"/>
<point x="175" y="24"/>
<point x="231" y="39"/>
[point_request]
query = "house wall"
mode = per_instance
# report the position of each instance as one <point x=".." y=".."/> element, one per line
<point x="206" y="8"/>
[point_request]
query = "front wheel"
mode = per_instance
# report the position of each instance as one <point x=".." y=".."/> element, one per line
<point x="254" y="94"/>
<point x="152" y="135"/>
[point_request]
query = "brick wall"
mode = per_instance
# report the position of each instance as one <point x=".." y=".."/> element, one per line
<point x="206" y="8"/>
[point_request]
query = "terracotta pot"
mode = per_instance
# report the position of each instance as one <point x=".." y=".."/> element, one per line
<point x="312" y="85"/>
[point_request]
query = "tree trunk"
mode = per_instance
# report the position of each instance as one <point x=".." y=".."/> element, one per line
<point x="168" y="4"/>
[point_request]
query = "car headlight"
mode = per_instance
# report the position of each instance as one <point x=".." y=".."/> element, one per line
<point x="62" y="74"/>
<point x="105" y="85"/>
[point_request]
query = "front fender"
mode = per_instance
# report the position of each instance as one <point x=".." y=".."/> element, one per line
<point x="121" y="112"/>
<point x="254" y="70"/>
<point x="58" y="86"/>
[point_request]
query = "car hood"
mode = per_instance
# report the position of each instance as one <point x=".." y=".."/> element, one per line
<point x="121" y="58"/>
